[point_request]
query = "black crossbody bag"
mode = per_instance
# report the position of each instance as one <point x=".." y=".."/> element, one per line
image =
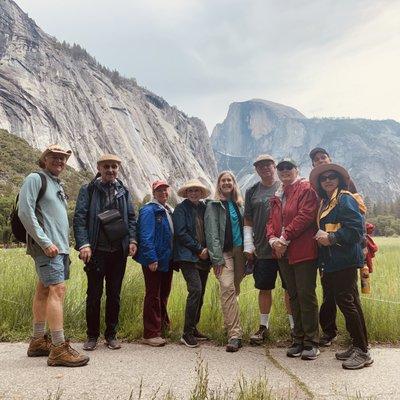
<point x="113" y="225"/>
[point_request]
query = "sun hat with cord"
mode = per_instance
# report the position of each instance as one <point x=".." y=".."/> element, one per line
<point x="319" y="169"/>
<point x="53" y="148"/>
<point x="194" y="183"/>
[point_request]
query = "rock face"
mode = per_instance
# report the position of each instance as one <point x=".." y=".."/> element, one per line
<point x="369" y="149"/>
<point x="52" y="93"/>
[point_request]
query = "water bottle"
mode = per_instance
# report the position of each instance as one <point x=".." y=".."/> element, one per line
<point x="365" y="281"/>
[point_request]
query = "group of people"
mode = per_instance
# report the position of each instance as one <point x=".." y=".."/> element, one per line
<point x="287" y="225"/>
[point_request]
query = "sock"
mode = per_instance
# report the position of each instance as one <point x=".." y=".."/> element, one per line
<point x="57" y="337"/>
<point x="264" y="319"/>
<point x="291" y="322"/>
<point x="38" y="329"/>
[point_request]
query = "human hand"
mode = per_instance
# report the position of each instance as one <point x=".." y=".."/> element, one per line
<point x="51" y="251"/>
<point x="204" y="254"/>
<point x="85" y="254"/>
<point x="153" y="266"/>
<point x="279" y="248"/>
<point x="249" y="256"/>
<point x="323" y="239"/>
<point x="132" y="249"/>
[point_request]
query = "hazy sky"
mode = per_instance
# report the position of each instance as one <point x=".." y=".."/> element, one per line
<point x="325" y="58"/>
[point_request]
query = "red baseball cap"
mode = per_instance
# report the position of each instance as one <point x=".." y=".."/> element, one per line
<point x="159" y="183"/>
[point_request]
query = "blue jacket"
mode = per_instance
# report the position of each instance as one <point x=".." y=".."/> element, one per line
<point x="154" y="237"/>
<point x="341" y="216"/>
<point x="186" y="246"/>
<point x="89" y="205"/>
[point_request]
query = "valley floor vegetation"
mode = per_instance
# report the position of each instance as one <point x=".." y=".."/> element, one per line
<point x="17" y="282"/>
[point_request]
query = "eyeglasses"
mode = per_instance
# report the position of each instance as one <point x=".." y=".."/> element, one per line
<point x="285" y="167"/>
<point x="267" y="164"/>
<point x="330" y="177"/>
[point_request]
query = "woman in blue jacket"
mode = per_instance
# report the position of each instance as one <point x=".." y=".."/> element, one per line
<point x="340" y="235"/>
<point x="155" y="238"/>
<point x="191" y="254"/>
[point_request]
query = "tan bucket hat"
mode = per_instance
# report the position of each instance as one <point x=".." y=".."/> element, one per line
<point x="109" y="157"/>
<point x="53" y="148"/>
<point x="319" y="169"/>
<point x="194" y="183"/>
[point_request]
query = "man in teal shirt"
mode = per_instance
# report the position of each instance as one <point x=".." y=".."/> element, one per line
<point x="46" y="224"/>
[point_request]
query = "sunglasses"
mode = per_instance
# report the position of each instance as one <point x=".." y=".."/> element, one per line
<point x="330" y="177"/>
<point x="285" y="167"/>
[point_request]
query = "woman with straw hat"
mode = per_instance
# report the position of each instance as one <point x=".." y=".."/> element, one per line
<point x="191" y="254"/>
<point x="340" y="234"/>
<point x="224" y="237"/>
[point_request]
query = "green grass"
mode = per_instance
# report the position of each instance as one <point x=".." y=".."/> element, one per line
<point x="17" y="281"/>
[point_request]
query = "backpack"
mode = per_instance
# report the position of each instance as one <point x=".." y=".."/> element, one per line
<point x="17" y="227"/>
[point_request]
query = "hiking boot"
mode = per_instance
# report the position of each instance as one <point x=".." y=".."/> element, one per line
<point x="344" y="355"/>
<point x="258" y="337"/>
<point x="326" y="340"/>
<point x="199" y="336"/>
<point x="358" y="359"/>
<point x="310" y="353"/>
<point x="113" y="344"/>
<point x="64" y="355"/>
<point x="155" y="341"/>
<point x="39" y="347"/>
<point x="234" y="344"/>
<point x="189" y="340"/>
<point x="294" y="350"/>
<point x="90" y="344"/>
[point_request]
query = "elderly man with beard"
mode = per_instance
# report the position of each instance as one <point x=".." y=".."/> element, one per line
<point x="105" y="234"/>
<point x="256" y="246"/>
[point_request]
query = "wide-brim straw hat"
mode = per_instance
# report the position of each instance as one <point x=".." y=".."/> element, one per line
<point x="53" y="148"/>
<point x="194" y="183"/>
<point x="319" y="169"/>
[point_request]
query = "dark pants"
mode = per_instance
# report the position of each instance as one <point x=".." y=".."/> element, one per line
<point x="300" y="280"/>
<point x="327" y="312"/>
<point x="111" y="267"/>
<point x="155" y="315"/>
<point x="344" y="284"/>
<point x="196" y="280"/>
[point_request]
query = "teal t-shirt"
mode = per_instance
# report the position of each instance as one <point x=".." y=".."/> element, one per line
<point x="237" y="239"/>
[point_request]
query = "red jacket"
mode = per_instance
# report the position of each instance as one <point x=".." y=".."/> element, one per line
<point x="299" y="219"/>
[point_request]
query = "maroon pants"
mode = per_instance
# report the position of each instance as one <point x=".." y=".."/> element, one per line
<point x="155" y="315"/>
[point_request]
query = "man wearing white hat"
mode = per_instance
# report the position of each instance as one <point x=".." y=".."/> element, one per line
<point x="105" y="234"/>
<point x="42" y="210"/>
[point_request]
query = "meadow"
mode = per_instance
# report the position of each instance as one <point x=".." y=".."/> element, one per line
<point x="17" y="281"/>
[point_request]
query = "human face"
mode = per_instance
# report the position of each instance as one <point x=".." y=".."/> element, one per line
<point x="55" y="163"/>
<point x="108" y="171"/>
<point x="287" y="173"/>
<point x="266" y="170"/>
<point x="161" y="194"/>
<point x="194" y="194"/>
<point x="321" y="158"/>
<point x="226" y="185"/>
<point x="329" y="181"/>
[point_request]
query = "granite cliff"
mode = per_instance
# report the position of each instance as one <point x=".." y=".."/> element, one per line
<point x="51" y="92"/>
<point x="369" y="149"/>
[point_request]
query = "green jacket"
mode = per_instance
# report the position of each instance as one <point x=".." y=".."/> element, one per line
<point x="214" y="226"/>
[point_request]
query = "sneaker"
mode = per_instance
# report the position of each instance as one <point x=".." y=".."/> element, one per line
<point x="310" y="353"/>
<point x="344" y="355"/>
<point x="189" y="340"/>
<point x="113" y="344"/>
<point x="90" y="344"/>
<point x="258" y="337"/>
<point x="199" y="336"/>
<point x="358" y="359"/>
<point x="154" y="341"/>
<point x="234" y="344"/>
<point x="39" y="347"/>
<point x="294" y="350"/>
<point x="326" y="340"/>
<point x="64" y="355"/>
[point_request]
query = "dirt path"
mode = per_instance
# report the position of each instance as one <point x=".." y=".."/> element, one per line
<point x="139" y="369"/>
